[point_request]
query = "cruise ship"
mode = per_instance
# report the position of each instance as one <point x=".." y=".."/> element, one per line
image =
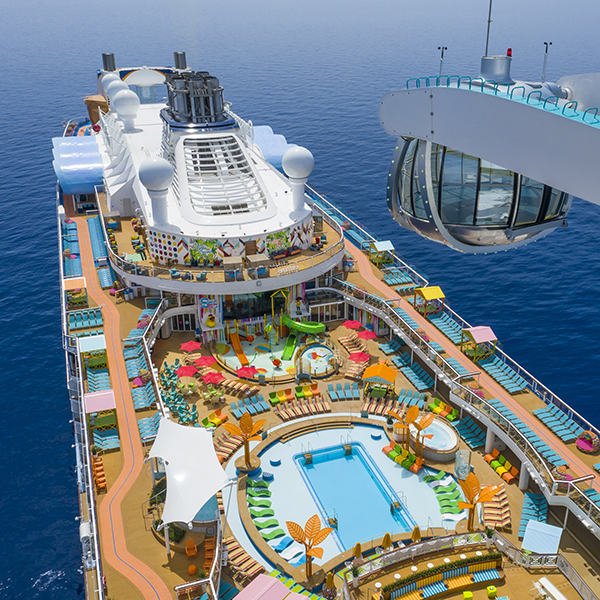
<point x="267" y="401"/>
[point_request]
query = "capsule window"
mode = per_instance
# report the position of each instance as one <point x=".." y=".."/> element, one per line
<point x="459" y="188"/>
<point x="530" y="201"/>
<point x="496" y="190"/>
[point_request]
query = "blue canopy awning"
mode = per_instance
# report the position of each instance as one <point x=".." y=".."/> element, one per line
<point x="77" y="164"/>
<point x="541" y="538"/>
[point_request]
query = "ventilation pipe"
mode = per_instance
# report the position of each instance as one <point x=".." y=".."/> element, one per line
<point x="298" y="164"/>
<point x="156" y="175"/>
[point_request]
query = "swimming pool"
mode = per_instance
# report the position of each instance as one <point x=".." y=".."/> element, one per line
<point x="349" y="466"/>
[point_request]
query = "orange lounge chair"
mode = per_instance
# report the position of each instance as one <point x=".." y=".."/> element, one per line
<point x="493" y="456"/>
<point x="222" y="416"/>
<point x="289" y="395"/>
<point x="510" y="475"/>
<point x="190" y="548"/>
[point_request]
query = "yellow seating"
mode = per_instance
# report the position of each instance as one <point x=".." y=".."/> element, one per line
<point x="190" y="548"/>
<point x="307" y="391"/>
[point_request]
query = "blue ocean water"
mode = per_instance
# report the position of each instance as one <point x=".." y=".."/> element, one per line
<point x="314" y="71"/>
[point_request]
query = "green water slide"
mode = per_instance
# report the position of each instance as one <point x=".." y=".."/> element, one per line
<point x="290" y="346"/>
<point x="306" y="327"/>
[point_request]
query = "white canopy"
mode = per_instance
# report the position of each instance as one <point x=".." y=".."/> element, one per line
<point x="194" y="474"/>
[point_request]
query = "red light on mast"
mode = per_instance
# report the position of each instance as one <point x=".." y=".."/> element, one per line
<point x="509" y="52"/>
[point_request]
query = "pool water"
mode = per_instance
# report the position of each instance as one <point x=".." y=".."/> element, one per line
<point x="363" y="512"/>
<point x="444" y="437"/>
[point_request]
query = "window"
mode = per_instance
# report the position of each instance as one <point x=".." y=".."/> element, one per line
<point x="555" y="204"/>
<point x="405" y="179"/>
<point x="459" y="188"/>
<point x="496" y="189"/>
<point x="530" y="201"/>
<point x="183" y="322"/>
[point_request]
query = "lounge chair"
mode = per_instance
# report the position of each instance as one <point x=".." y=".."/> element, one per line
<point x="256" y="502"/>
<point x="190" y="548"/>
<point x="261" y="514"/>
<point x="332" y="394"/>
<point x="266" y="524"/>
<point x="271" y="535"/>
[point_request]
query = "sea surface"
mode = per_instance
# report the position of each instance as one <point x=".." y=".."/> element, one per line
<point x="314" y="71"/>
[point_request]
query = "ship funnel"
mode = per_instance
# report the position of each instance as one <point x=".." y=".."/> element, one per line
<point x="496" y="68"/>
<point x="180" y="60"/>
<point x="108" y="62"/>
<point x="195" y="97"/>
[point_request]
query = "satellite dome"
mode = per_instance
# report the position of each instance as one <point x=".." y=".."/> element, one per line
<point x="126" y="103"/>
<point x="298" y="162"/>
<point x="108" y="78"/>
<point x="156" y="174"/>
<point x="114" y="87"/>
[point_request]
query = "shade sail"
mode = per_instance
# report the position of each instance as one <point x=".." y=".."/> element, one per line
<point x="380" y="373"/>
<point x="480" y="334"/>
<point x="194" y="474"/>
<point x="352" y="324"/>
<point x="191" y="346"/>
<point x="541" y="538"/>
<point x="366" y="335"/>
<point x="99" y="401"/>
<point x="186" y="371"/>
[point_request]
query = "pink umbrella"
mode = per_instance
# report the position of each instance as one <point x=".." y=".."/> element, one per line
<point x="213" y="377"/>
<point x="138" y="382"/>
<point x="205" y="361"/>
<point x="191" y="346"/>
<point x="247" y="371"/>
<point x="186" y="371"/>
<point x="360" y="357"/>
<point x="367" y="335"/>
<point x="352" y="324"/>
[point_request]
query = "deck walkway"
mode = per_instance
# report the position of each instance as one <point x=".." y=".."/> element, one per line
<point x="576" y="464"/>
<point x="112" y="532"/>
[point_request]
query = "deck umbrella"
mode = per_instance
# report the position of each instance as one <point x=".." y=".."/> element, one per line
<point x="213" y="377"/>
<point x="367" y="335"/>
<point x="186" y="371"/>
<point x="205" y="361"/>
<point x="190" y="346"/>
<point x="352" y="324"/>
<point x="416" y="534"/>
<point x="246" y="371"/>
<point x="360" y="357"/>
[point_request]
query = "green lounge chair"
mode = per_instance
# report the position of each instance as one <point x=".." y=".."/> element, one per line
<point x="452" y="511"/>
<point x="498" y="462"/>
<point x="453" y="415"/>
<point x="258" y="492"/>
<point x="434" y="404"/>
<point x="445" y="489"/>
<point x="256" y="484"/>
<point x="261" y="514"/>
<point x="273" y="399"/>
<point x="272" y="534"/>
<point x="430" y="478"/>
<point x="299" y="392"/>
<point x="266" y="524"/>
<point x="260" y="503"/>
<point x="449" y="496"/>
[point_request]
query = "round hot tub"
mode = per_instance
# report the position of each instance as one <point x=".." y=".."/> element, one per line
<point x="442" y="447"/>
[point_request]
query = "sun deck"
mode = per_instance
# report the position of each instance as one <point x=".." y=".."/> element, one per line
<point x="128" y="480"/>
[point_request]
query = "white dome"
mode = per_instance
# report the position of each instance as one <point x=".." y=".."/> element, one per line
<point x="114" y="87"/>
<point x="156" y="174"/>
<point x="298" y="162"/>
<point x="108" y="78"/>
<point x="126" y="103"/>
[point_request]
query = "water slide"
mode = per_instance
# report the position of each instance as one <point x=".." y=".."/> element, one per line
<point x="307" y="327"/>
<point x="290" y="346"/>
<point x="239" y="352"/>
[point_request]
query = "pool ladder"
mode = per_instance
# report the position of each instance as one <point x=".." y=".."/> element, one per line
<point x="307" y="453"/>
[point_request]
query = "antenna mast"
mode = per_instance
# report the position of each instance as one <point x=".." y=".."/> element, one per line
<point x="487" y="39"/>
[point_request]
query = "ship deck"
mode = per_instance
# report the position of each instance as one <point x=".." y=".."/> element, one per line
<point x="135" y="561"/>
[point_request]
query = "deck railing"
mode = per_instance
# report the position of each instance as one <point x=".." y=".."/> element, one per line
<point x="489" y="86"/>
<point x="462" y="541"/>
<point x="276" y="268"/>
<point x="328" y="209"/>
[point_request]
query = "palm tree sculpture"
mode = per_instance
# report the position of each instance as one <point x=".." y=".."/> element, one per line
<point x="424" y="423"/>
<point x="247" y="431"/>
<point x="411" y="415"/>
<point x="475" y="496"/>
<point x="312" y="535"/>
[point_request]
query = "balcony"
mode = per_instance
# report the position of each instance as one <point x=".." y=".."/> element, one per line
<point x="232" y="275"/>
